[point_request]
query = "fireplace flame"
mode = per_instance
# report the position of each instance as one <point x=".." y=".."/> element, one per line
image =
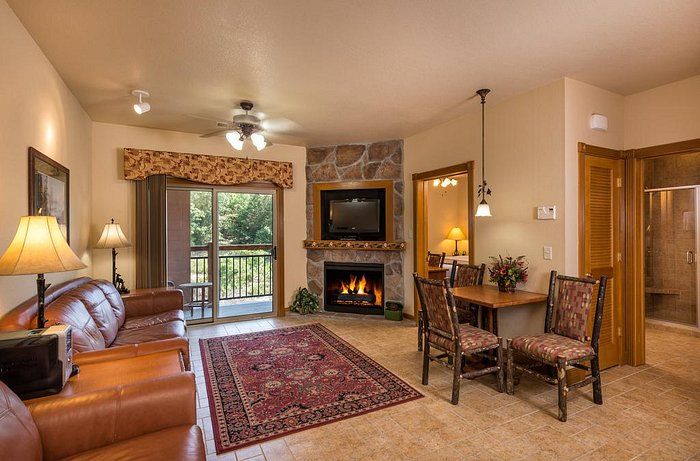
<point x="359" y="287"/>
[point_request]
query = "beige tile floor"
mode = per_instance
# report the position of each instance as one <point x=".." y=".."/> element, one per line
<point x="650" y="412"/>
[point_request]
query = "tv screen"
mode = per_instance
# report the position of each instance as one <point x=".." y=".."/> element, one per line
<point x="353" y="216"/>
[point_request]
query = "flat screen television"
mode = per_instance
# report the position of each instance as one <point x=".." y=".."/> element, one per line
<point x="355" y="216"/>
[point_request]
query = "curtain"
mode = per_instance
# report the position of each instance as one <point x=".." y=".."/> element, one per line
<point x="150" y="245"/>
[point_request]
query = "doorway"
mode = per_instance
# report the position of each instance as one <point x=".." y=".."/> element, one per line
<point x="442" y="200"/>
<point x="222" y="250"/>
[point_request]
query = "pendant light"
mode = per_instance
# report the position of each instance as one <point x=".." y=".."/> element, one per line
<point x="483" y="190"/>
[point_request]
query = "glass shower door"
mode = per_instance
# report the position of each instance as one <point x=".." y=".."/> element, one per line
<point x="671" y="244"/>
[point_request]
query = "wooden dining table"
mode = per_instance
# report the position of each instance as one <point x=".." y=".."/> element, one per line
<point x="490" y="298"/>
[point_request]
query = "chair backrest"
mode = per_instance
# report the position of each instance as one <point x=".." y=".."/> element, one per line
<point x="568" y="312"/>
<point x="464" y="275"/>
<point x="19" y="437"/>
<point x="437" y="307"/>
<point x="436" y="259"/>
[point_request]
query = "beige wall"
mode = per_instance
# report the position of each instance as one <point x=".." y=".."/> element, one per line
<point x="446" y="208"/>
<point x="38" y="110"/>
<point x="113" y="196"/>
<point x="581" y="100"/>
<point x="665" y="114"/>
<point x="524" y="167"/>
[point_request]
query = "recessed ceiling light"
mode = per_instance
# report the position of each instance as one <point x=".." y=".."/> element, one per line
<point x="141" y="107"/>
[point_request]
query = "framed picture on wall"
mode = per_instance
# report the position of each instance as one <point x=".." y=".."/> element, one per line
<point x="49" y="189"/>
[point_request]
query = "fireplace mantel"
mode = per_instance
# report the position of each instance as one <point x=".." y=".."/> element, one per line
<point x="354" y="245"/>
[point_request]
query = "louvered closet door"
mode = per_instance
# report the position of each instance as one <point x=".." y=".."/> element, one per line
<point x="602" y="251"/>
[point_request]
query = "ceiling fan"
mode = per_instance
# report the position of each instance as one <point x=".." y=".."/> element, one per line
<point x="244" y="125"/>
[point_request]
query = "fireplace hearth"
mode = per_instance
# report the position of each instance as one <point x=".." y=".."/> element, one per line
<point x="354" y="287"/>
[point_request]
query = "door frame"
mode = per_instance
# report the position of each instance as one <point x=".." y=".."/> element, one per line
<point x="420" y="224"/>
<point x="633" y="254"/>
<point x="278" y="308"/>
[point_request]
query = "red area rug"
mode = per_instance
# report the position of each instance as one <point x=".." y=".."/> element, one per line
<point x="272" y="383"/>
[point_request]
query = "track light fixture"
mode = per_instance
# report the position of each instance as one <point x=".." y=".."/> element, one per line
<point x="141" y="107"/>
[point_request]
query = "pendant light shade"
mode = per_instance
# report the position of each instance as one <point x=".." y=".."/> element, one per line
<point x="483" y="210"/>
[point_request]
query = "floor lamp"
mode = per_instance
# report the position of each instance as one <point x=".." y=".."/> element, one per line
<point x="39" y="248"/>
<point x="113" y="237"/>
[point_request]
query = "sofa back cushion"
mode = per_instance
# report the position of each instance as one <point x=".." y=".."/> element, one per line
<point x="19" y="437"/>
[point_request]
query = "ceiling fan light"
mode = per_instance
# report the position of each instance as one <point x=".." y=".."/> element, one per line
<point x="436" y="182"/>
<point x="483" y="210"/>
<point x="258" y="141"/>
<point x="234" y="138"/>
<point x="142" y="107"/>
<point x="445" y="182"/>
<point x="453" y="182"/>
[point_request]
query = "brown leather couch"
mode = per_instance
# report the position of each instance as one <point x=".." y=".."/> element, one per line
<point x="152" y="420"/>
<point x="105" y="326"/>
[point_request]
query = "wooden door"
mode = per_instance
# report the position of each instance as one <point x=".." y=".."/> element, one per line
<point x="602" y="251"/>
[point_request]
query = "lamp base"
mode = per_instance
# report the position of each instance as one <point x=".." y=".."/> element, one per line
<point x="119" y="284"/>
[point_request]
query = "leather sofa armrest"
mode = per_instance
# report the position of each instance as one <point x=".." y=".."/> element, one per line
<point x="72" y="425"/>
<point x="149" y="301"/>
<point x="132" y="350"/>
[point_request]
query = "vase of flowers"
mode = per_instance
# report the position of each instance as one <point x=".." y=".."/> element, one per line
<point x="507" y="272"/>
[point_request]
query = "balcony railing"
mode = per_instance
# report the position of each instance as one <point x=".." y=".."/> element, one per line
<point x="241" y="276"/>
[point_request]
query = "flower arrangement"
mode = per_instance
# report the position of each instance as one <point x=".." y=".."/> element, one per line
<point x="508" y="271"/>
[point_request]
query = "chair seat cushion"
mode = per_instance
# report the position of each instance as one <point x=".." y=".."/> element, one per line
<point x="180" y="442"/>
<point x="135" y="323"/>
<point x="472" y="338"/>
<point x="174" y="329"/>
<point x="549" y="346"/>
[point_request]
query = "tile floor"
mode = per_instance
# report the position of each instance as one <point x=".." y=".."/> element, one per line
<point x="650" y="412"/>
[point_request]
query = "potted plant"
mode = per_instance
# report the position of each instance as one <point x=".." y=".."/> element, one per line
<point x="393" y="310"/>
<point x="304" y="302"/>
<point x="508" y="271"/>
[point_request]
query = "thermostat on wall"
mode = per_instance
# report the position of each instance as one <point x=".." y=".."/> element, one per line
<point x="547" y="212"/>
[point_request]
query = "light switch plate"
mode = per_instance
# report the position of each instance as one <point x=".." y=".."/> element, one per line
<point x="547" y="253"/>
<point x="547" y="212"/>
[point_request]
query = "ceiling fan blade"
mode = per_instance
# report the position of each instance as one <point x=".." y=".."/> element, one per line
<point x="280" y="125"/>
<point x="215" y="133"/>
<point x="210" y="119"/>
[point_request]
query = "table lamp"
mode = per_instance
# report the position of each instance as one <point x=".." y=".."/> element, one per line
<point x="38" y="248"/>
<point x="113" y="237"/>
<point x="456" y="234"/>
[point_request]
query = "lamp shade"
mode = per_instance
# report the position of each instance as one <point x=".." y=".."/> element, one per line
<point x="456" y="234"/>
<point x="37" y="248"/>
<point x="483" y="210"/>
<point x="112" y="237"/>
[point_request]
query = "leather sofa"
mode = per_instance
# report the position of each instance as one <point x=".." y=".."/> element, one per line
<point x="105" y="326"/>
<point x="152" y="420"/>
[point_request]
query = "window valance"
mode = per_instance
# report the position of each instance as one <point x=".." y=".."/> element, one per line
<point x="208" y="169"/>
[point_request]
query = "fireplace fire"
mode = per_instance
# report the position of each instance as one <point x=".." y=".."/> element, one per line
<point x="357" y="288"/>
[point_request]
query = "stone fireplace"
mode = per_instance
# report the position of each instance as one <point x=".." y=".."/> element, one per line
<point x="381" y="262"/>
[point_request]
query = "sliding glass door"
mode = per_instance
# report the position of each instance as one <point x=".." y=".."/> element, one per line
<point x="221" y="250"/>
<point x="246" y="235"/>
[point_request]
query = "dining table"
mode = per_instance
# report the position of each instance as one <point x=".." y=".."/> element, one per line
<point x="490" y="299"/>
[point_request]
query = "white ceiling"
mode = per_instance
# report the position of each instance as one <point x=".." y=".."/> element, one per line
<point x="351" y="71"/>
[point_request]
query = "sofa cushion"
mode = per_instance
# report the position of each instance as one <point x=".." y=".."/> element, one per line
<point x="71" y="311"/>
<point x="100" y="309"/>
<point x="114" y="298"/>
<point x="180" y="442"/>
<point x="134" y="323"/>
<point x="173" y="329"/>
<point x="19" y="437"/>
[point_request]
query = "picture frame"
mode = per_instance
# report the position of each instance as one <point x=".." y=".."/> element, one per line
<point x="49" y="189"/>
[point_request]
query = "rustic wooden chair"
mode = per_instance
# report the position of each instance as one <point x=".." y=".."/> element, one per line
<point x="464" y="275"/>
<point x="433" y="260"/>
<point x="452" y="340"/>
<point x="565" y="342"/>
<point x="436" y="259"/>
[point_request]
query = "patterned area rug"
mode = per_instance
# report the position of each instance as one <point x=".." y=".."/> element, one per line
<point x="272" y="383"/>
